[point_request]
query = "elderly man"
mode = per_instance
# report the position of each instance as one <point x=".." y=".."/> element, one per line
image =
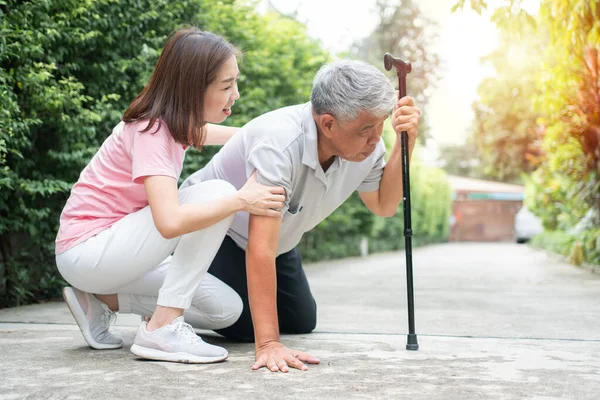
<point x="319" y="152"/>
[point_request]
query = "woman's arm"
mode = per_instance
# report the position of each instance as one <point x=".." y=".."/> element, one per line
<point x="173" y="219"/>
<point x="218" y="134"/>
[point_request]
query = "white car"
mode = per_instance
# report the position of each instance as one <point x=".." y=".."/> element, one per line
<point x="527" y="225"/>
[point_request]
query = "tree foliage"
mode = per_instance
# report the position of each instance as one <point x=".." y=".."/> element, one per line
<point x="506" y="130"/>
<point x="565" y="99"/>
<point x="462" y="160"/>
<point x="570" y="102"/>
<point x="405" y="32"/>
<point x="69" y="68"/>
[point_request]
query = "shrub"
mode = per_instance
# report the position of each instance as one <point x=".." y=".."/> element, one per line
<point x="69" y="68"/>
<point x="584" y="247"/>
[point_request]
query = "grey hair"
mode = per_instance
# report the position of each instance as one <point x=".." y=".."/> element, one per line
<point x="346" y="88"/>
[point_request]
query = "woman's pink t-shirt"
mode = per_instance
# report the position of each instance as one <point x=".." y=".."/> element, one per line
<point x="111" y="186"/>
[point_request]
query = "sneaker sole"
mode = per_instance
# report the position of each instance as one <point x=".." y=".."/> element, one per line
<point x="82" y="322"/>
<point x="152" y="354"/>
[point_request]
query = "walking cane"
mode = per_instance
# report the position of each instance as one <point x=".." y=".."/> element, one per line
<point x="403" y="68"/>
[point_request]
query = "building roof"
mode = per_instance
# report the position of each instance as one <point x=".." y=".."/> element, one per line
<point x="462" y="184"/>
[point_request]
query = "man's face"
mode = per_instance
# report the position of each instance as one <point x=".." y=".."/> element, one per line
<point x="356" y="140"/>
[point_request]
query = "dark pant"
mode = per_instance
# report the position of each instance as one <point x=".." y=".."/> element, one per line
<point x="296" y="307"/>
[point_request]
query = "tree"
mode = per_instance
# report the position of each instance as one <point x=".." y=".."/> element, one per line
<point x="278" y="64"/>
<point x="69" y="68"/>
<point x="461" y="160"/>
<point x="404" y="32"/>
<point x="506" y="130"/>
<point x="566" y="183"/>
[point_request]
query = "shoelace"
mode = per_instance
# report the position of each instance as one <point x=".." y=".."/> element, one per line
<point x="108" y="317"/>
<point x="186" y="332"/>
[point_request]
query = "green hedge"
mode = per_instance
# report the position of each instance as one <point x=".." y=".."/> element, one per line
<point x="584" y="247"/>
<point x="68" y="69"/>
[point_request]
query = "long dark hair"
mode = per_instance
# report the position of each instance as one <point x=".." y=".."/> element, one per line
<point x="174" y="95"/>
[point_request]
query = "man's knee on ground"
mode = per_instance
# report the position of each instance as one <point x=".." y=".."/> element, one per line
<point x="307" y="325"/>
<point x="243" y="337"/>
<point x="243" y="333"/>
<point x="304" y="322"/>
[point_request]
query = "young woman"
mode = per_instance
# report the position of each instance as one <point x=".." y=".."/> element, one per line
<point x="130" y="241"/>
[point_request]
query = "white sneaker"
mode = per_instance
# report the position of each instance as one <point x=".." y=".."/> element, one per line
<point x="93" y="317"/>
<point x="175" y="342"/>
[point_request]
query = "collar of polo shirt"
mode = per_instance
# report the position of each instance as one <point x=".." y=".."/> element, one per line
<point x="310" y="158"/>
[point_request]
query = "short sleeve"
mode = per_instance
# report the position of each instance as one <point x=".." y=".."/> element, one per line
<point x="371" y="182"/>
<point x="274" y="168"/>
<point x="152" y="154"/>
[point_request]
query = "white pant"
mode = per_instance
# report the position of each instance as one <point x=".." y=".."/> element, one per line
<point x="133" y="260"/>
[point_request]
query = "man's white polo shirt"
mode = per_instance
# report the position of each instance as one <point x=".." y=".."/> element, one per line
<point x="282" y="146"/>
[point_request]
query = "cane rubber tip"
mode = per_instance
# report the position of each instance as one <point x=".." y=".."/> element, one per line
<point x="411" y="342"/>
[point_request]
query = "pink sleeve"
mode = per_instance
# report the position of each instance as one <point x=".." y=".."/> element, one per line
<point x="152" y="154"/>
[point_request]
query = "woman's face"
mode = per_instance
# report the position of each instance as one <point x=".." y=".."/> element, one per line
<point x="222" y="93"/>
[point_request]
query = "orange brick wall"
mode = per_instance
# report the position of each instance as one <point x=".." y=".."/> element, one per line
<point x="484" y="220"/>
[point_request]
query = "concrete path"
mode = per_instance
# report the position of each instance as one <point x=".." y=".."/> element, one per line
<point x="494" y="321"/>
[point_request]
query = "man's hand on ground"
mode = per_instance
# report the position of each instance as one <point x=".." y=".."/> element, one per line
<point x="276" y="357"/>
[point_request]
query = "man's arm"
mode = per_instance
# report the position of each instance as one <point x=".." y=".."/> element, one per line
<point x="384" y="201"/>
<point x="218" y="134"/>
<point x="263" y="238"/>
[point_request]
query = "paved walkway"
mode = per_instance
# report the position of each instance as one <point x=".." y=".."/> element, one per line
<point x="494" y="321"/>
